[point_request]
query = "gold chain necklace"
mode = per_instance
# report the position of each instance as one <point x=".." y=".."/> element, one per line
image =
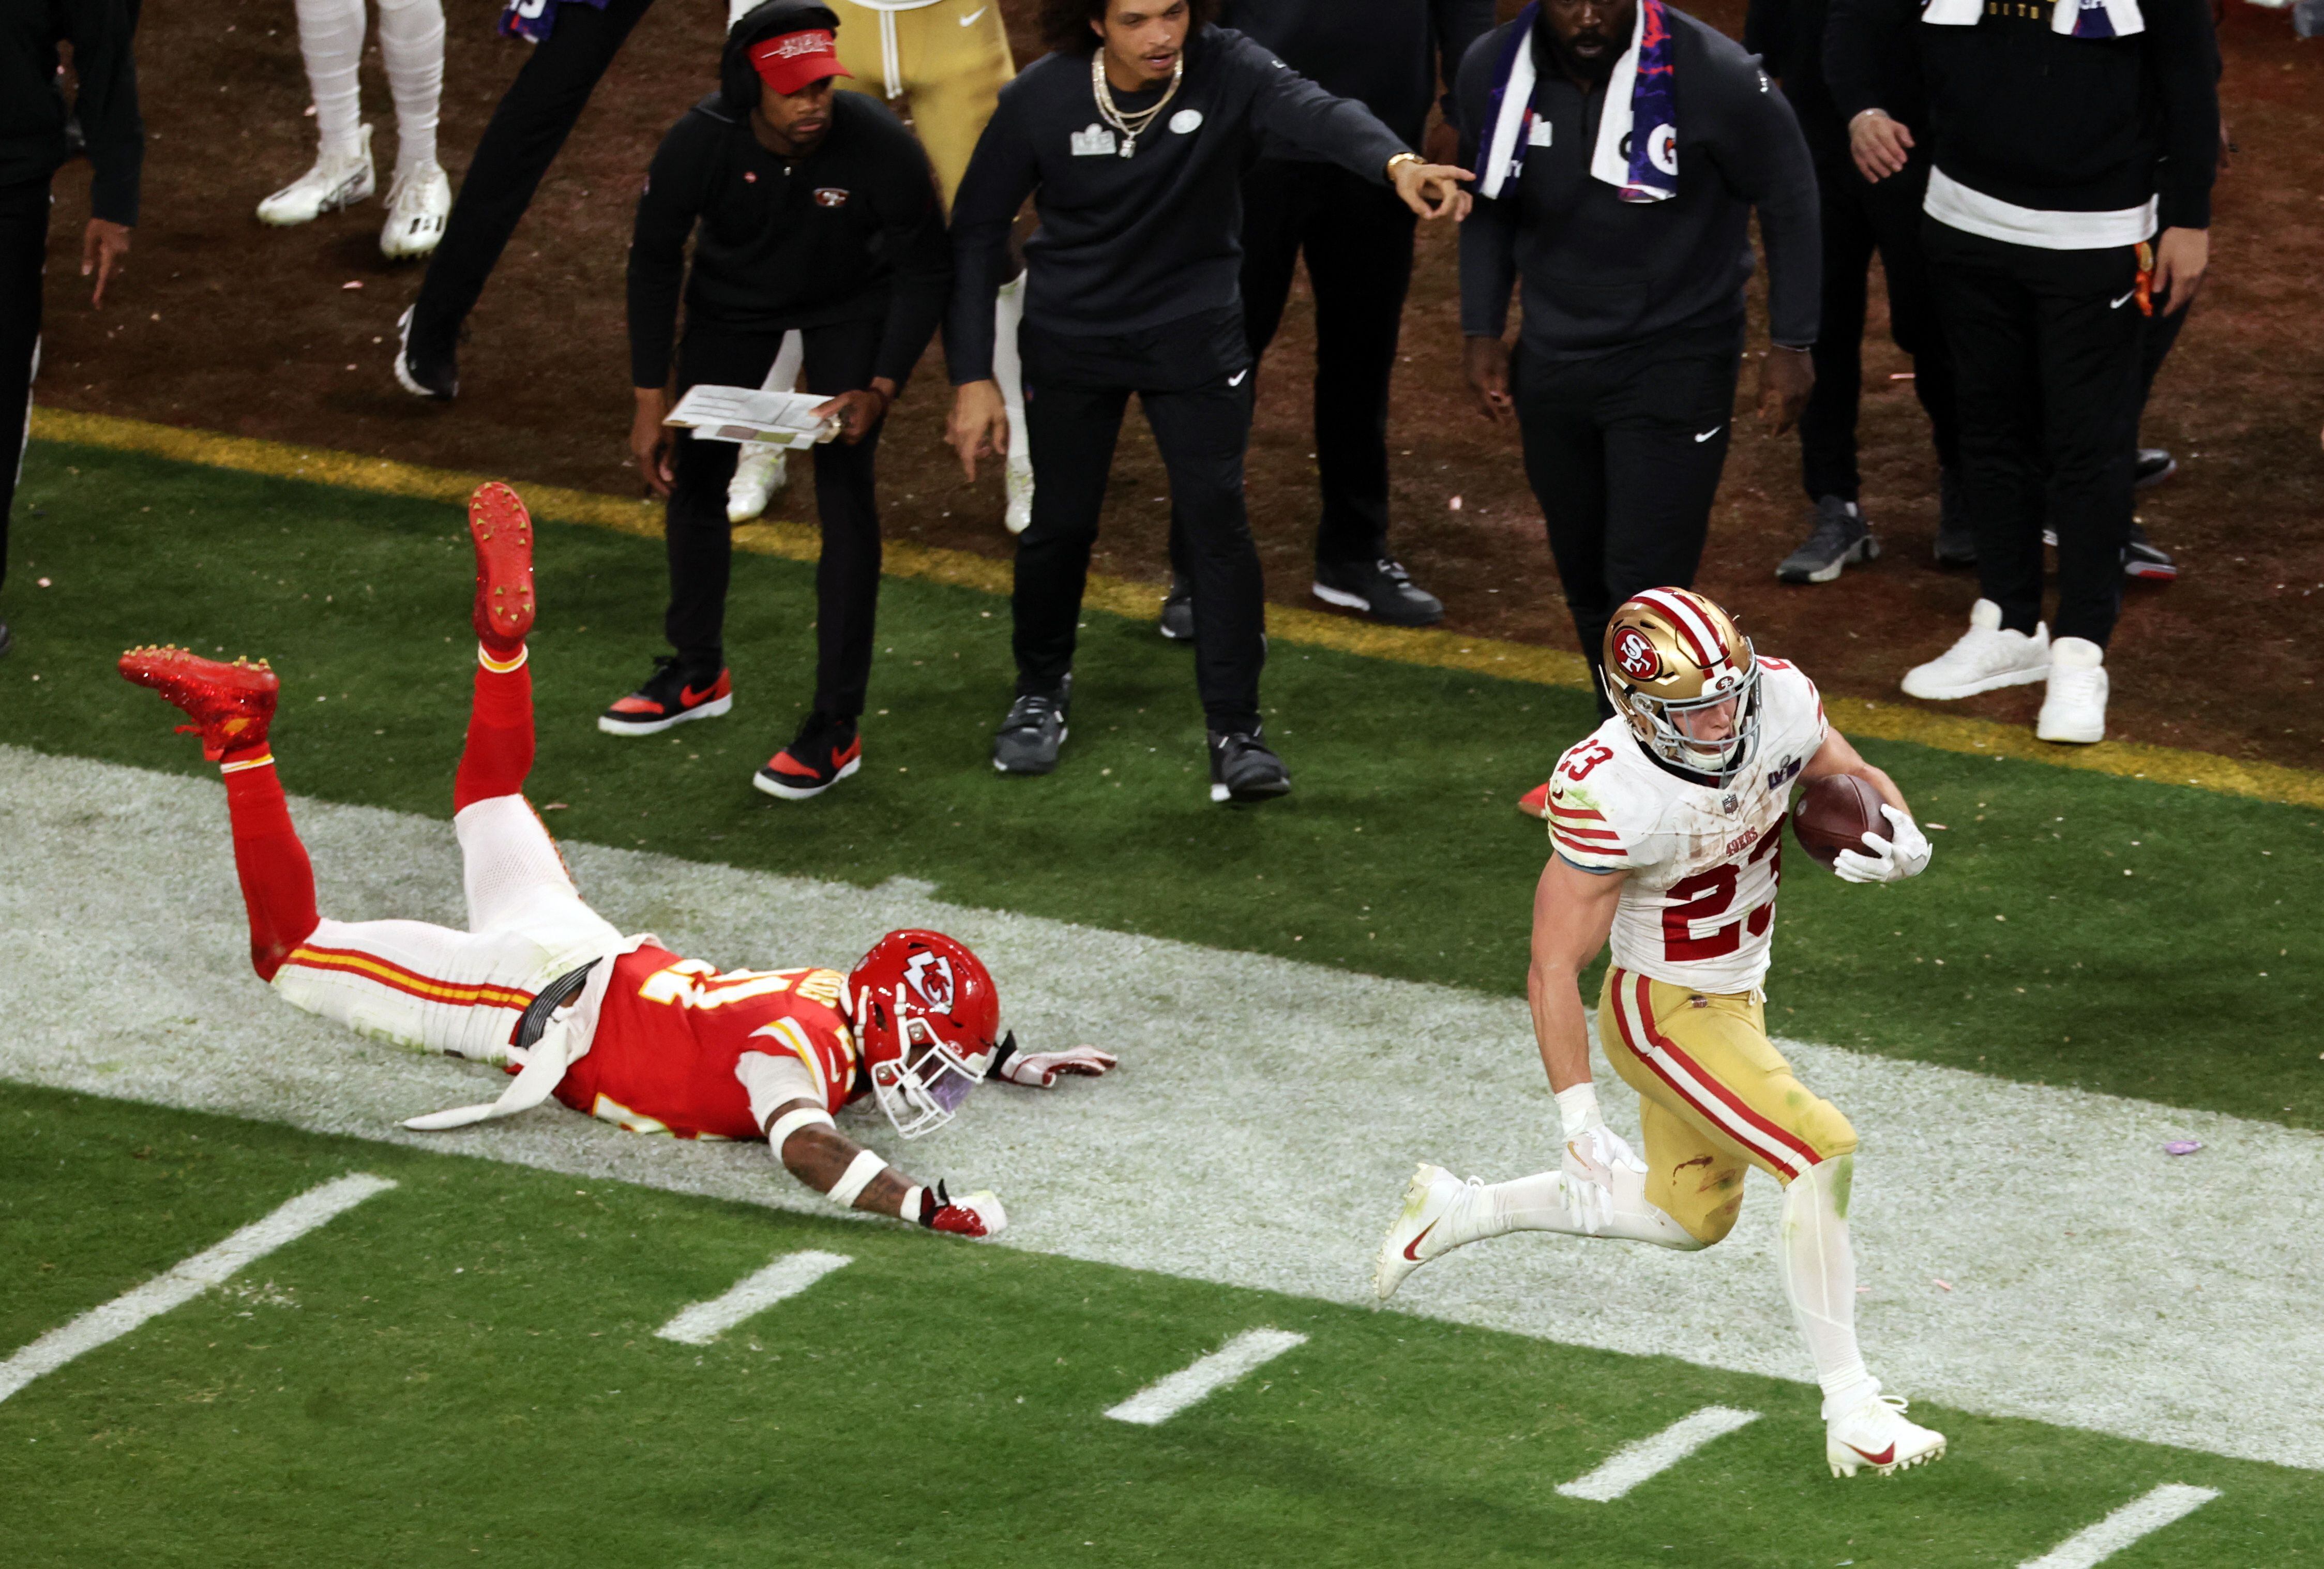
<point x="1129" y="126"/>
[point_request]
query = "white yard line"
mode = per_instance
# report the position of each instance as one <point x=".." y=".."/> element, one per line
<point x="1293" y="1098"/>
<point x="1157" y="1402"/>
<point x="2142" y="1517"/>
<point x="184" y="1281"/>
<point x="787" y="1276"/>
<point x="1633" y="1463"/>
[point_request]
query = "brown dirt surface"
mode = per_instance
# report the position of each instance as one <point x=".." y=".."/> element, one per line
<point x="223" y="324"/>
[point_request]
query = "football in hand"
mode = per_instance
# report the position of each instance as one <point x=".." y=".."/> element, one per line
<point x="1834" y="814"/>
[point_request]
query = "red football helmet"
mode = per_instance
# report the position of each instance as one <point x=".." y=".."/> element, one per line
<point x="928" y="1020"/>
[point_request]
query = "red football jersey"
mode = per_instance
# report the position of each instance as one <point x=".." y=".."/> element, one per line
<point x="671" y="1030"/>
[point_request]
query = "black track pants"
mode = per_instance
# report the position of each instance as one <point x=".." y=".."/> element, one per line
<point x="1860" y="220"/>
<point x="520" y="141"/>
<point x="2046" y="352"/>
<point x="1624" y="452"/>
<point x="701" y="541"/>
<point x="23" y="249"/>
<point x="1197" y="402"/>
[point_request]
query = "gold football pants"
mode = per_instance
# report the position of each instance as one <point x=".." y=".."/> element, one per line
<point x="947" y="62"/>
<point x="1715" y="1097"/>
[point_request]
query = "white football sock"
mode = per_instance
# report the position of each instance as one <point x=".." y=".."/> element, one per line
<point x="1537" y="1204"/>
<point x="411" y="48"/>
<point x="1008" y="311"/>
<point x="783" y="375"/>
<point x="330" y="37"/>
<point x="1818" y="1269"/>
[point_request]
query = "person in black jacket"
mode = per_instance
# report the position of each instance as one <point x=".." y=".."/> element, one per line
<point x="1357" y="239"/>
<point x="33" y="148"/>
<point x="2073" y="145"/>
<point x="1132" y="138"/>
<point x="810" y="210"/>
<point x="1632" y="262"/>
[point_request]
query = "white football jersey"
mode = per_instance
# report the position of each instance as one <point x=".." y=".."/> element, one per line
<point x="1698" y="902"/>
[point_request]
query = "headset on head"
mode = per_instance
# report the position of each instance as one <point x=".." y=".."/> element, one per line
<point x="738" y="80"/>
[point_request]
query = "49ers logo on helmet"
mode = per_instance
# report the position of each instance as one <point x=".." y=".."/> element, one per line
<point x="1635" y="652"/>
<point x="930" y="975"/>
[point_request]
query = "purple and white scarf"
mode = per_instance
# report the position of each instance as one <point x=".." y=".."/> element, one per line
<point x="1642" y="91"/>
<point x="2074" y="18"/>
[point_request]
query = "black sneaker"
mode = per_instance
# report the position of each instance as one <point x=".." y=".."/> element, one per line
<point x="1177" y="621"/>
<point x="1381" y="590"/>
<point x="2142" y="559"/>
<point x="1029" y="739"/>
<point x="424" y="369"/>
<point x="825" y="750"/>
<point x="672" y="695"/>
<point x="1243" y="769"/>
<point x="1956" y="541"/>
<point x="1840" y="538"/>
<point x="2153" y="466"/>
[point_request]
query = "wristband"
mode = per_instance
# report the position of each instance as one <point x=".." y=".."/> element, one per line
<point x="913" y="1209"/>
<point x="780" y="1131"/>
<point x="1577" y="1109"/>
<point x="855" y="1178"/>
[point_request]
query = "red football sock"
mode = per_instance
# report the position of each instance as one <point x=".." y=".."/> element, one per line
<point x="278" y="880"/>
<point x="499" y="751"/>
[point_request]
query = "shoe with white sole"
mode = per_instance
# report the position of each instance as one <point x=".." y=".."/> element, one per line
<point x="418" y="204"/>
<point x="1875" y="1433"/>
<point x="759" y="473"/>
<point x="1986" y="657"/>
<point x="1433" y="1223"/>
<point x="2074" y="708"/>
<point x="1019" y="478"/>
<point x="331" y="184"/>
<point x="1838" y="538"/>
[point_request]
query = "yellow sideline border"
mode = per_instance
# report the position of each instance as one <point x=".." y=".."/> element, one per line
<point x="1432" y="647"/>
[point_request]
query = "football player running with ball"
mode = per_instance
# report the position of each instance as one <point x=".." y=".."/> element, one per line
<point x="544" y="988"/>
<point x="1667" y="822"/>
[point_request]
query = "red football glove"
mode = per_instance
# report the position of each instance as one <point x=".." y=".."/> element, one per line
<point x="979" y="1214"/>
<point x="1039" y="1069"/>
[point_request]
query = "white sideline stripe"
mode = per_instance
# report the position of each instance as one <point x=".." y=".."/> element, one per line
<point x="186" y="1280"/>
<point x="2139" y="1517"/>
<point x="1158" y="1402"/>
<point x="1633" y="1463"/>
<point x="788" y="1275"/>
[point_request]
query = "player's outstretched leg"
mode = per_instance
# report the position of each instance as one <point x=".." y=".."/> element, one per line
<point x="500" y="745"/>
<point x="230" y="706"/>
<point x="1442" y="1212"/>
<point x="1862" y="1426"/>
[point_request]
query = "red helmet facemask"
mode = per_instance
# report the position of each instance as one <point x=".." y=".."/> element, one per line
<point x="928" y="1018"/>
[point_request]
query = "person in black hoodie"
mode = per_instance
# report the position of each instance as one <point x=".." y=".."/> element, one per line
<point x="2073" y="145"/>
<point x="34" y="146"/>
<point x="812" y="210"/>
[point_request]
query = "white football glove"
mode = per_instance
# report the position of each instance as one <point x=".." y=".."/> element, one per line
<point x="1038" y="1070"/>
<point x="1904" y="853"/>
<point x="1593" y="1153"/>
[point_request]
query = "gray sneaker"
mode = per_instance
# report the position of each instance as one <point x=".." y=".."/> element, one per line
<point x="1955" y="542"/>
<point x="1381" y="590"/>
<point x="1840" y="538"/>
<point x="1177" y="621"/>
<point x="1244" y="768"/>
<point x="1029" y="739"/>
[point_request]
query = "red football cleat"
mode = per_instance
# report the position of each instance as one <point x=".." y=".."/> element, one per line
<point x="230" y="706"/>
<point x="1535" y="802"/>
<point x="503" y="531"/>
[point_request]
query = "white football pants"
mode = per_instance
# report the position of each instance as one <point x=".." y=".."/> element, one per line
<point x="412" y="48"/>
<point x="436" y="989"/>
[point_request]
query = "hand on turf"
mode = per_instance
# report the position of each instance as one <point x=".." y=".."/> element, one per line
<point x="1878" y="144"/>
<point x="1039" y="1069"/>
<point x="979" y="1214"/>
<point x="1904" y="853"/>
<point x="979" y="427"/>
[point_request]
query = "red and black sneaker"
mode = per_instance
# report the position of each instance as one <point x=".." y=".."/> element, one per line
<point x="825" y="750"/>
<point x="230" y="704"/>
<point x="503" y="531"/>
<point x="672" y="695"/>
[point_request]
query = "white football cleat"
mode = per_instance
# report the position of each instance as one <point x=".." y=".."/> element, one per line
<point x="418" y="203"/>
<point x="1019" y="481"/>
<point x="1432" y="1225"/>
<point x="1874" y="1432"/>
<point x="332" y="184"/>
<point x="2074" y="708"/>
<point x="1984" y="658"/>
<point x="759" y="473"/>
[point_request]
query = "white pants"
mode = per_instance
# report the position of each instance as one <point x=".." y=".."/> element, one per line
<point x="410" y="49"/>
<point x="460" y="992"/>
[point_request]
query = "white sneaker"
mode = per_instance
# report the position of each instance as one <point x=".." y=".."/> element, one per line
<point x="2074" y="709"/>
<point x="1433" y="1224"/>
<point x="1874" y="1432"/>
<point x="1021" y="498"/>
<point x="759" y="473"/>
<point x="418" y="203"/>
<point x="1985" y="658"/>
<point x="332" y="184"/>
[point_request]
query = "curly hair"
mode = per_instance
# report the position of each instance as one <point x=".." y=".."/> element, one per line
<point x="1066" y="23"/>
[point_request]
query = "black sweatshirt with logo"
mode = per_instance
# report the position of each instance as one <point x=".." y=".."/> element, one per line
<point x="1128" y="243"/>
<point x="32" y="110"/>
<point x="852" y="232"/>
<point x="1385" y="54"/>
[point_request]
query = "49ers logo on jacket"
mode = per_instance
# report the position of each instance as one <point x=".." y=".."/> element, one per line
<point x="830" y="196"/>
<point x="1635" y="652"/>
<point x="930" y="975"/>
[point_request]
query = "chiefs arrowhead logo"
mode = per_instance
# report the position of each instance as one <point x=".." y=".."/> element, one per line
<point x="930" y="975"/>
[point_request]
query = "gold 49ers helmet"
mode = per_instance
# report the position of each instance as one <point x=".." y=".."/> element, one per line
<point x="1670" y="651"/>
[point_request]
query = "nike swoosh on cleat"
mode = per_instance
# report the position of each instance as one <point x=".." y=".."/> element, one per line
<point x="1410" y="1253"/>
<point x="1706" y="435"/>
<point x="1885" y="1457"/>
<point x="689" y="696"/>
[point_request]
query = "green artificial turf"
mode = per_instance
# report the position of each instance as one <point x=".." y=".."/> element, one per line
<point x="2113" y="934"/>
<point x="465" y="1369"/>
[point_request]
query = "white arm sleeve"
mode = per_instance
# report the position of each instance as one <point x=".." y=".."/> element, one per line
<point x="773" y="1080"/>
